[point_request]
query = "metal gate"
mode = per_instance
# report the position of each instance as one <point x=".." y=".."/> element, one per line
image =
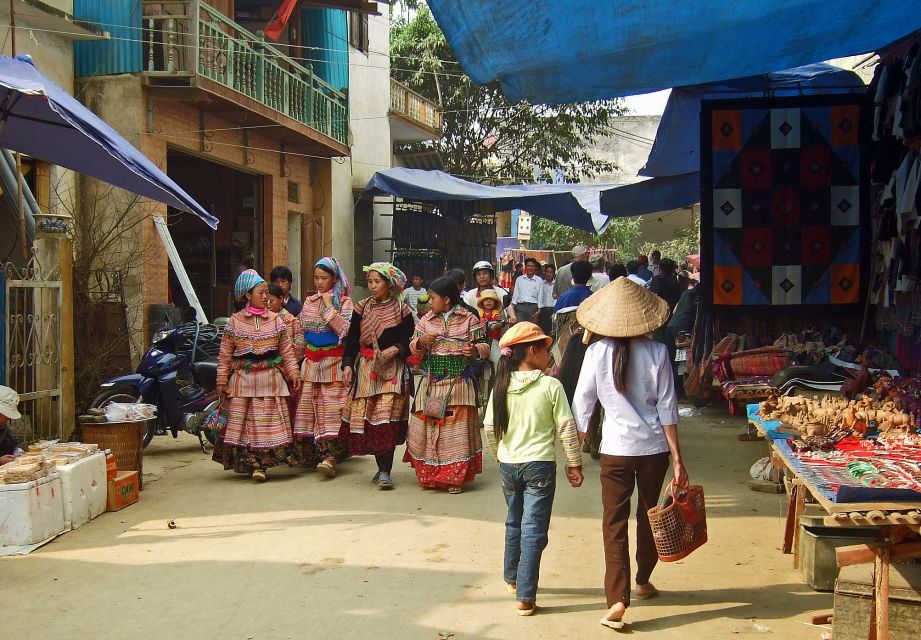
<point x="32" y="347"/>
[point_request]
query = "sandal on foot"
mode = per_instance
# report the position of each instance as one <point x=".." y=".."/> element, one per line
<point x="526" y="608"/>
<point x="376" y="478"/>
<point x="617" y="625"/>
<point x="384" y="482"/>
<point x="511" y="587"/>
<point x="454" y="490"/>
<point x="259" y="475"/>
<point x="328" y="467"/>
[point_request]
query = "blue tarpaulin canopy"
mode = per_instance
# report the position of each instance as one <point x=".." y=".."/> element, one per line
<point x="42" y="120"/>
<point x="547" y="51"/>
<point x="674" y="162"/>
<point x="569" y="204"/>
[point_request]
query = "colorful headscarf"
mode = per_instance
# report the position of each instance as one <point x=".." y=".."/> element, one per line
<point x="390" y="273"/>
<point x="342" y="288"/>
<point x="245" y="282"/>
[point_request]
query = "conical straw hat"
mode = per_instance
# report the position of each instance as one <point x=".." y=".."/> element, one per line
<point x="622" y="309"/>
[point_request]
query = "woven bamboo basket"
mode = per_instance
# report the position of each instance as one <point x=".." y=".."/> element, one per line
<point x="125" y="439"/>
<point x="679" y="527"/>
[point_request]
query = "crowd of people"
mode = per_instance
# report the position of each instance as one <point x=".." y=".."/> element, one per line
<point x="315" y="382"/>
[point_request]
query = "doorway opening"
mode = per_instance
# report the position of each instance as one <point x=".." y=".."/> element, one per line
<point x="214" y="259"/>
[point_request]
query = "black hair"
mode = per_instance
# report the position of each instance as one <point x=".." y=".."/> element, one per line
<point x="550" y="266"/>
<point x="457" y="276"/>
<point x="275" y="290"/>
<point x="532" y="261"/>
<point x="668" y="266"/>
<point x="447" y="288"/>
<point x="656" y="254"/>
<point x="324" y="268"/>
<point x="621" y="360"/>
<point x="617" y="270"/>
<point x="507" y="365"/>
<point x="633" y="267"/>
<point x="281" y="272"/>
<point x="581" y="271"/>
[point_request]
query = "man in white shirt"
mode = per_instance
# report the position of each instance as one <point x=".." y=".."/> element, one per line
<point x="546" y="306"/>
<point x="633" y="267"/>
<point x="529" y="293"/>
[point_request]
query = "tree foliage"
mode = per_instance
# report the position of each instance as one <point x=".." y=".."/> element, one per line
<point x="686" y="241"/>
<point x="486" y="137"/>
<point x="622" y="235"/>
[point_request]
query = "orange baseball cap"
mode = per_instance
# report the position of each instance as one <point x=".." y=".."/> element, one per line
<point x="523" y="332"/>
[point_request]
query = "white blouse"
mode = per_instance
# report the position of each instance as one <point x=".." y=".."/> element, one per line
<point x="633" y="420"/>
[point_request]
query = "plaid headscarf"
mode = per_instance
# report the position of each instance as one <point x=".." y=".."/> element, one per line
<point x="341" y="289"/>
<point x="390" y="273"/>
<point x="245" y="282"/>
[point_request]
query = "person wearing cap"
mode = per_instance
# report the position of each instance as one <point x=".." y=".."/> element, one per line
<point x="446" y="451"/>
<point x="493" y="319"/>
<point x="599" y="277"/>
<point x="526" y="413"/>
<point x="255" y="358"/>
<point x="563" y="282"/>
<point x="631" y="375"/>
<point x="485" y="277"/>
<point x="9" y="410"/>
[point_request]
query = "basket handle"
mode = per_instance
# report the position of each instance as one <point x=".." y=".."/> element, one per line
<point x="682" y="500"/>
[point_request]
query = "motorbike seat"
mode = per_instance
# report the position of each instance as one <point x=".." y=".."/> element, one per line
<point x="205" y="373"/>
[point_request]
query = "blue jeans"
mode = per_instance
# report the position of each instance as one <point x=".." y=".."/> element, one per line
<point x="529" y="490"/>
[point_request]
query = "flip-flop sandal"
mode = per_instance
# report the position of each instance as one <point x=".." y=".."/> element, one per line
<point x="527" y="612"/>
<point x="454" y="490"/>
<point x="510" y="587"/>
<point x="385" y="484"/>
<point x="617" y="625"/>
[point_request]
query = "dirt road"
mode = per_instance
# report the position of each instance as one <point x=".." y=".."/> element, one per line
<point x="304" y="557"/>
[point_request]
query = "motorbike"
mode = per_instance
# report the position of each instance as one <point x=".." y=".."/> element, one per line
<point x="682" y="352"/>
<point x="171" y="377"/>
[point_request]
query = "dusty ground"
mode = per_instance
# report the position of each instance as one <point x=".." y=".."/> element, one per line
<point x="303" y="557"/>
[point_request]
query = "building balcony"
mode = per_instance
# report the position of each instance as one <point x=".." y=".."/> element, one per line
<point x="413" y="118"/>
<point x="192" y="47"/>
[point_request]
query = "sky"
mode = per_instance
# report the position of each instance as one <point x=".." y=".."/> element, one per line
<point x="648" y="104"/>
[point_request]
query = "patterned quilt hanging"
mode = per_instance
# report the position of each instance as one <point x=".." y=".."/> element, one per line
<point x="783" y="208"/>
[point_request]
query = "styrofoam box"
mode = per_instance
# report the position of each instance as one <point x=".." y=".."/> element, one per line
<point x="83" y="484"/>
<point x="31" y="512"/>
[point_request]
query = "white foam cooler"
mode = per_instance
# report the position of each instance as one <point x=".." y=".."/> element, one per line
<point x="83" y="485"/>
<point x="31" y="512"/>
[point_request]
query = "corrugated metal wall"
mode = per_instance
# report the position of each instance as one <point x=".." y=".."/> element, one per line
<point x="121" y="54"/>
<point x="328" y="31"/>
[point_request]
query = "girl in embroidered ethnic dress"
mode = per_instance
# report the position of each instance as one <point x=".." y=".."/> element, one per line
<point x="447" y="453"/>
<point x="255" y="358"/>
<point x="378" y="338"/>
<point x="276" y="305"/>
<point x="322" y="327"/>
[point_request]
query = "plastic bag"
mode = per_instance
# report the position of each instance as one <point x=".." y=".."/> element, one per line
<point x="129" y="411"/>
<point x="761" y="470"/>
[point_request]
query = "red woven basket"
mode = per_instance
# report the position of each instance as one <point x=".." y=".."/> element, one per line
<point x="679" y="525"/>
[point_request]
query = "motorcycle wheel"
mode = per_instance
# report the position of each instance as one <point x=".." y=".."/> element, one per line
<point x="124" y="394"/>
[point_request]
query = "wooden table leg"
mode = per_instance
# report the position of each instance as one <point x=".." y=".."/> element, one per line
<point x="799" y="509"/>
<point x="881" y="593"/>
<point x="790" y="524"/>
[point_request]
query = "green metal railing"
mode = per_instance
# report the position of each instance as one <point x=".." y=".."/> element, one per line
<point x="203" y="41"/>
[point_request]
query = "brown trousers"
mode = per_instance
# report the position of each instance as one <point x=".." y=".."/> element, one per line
<point x="619" y="475"/>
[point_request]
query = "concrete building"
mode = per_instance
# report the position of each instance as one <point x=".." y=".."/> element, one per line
<point x="627" y="145"/>
<point x="272" y="138"/>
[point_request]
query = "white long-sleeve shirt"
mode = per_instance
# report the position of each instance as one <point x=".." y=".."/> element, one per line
<point x="528" y="290"/>
<point x="633" y="420"/>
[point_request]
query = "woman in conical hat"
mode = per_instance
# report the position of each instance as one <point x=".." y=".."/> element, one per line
<point x="631" y="376"/>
